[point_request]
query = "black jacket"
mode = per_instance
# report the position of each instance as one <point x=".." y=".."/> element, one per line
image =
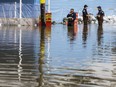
<point x="73" y="15"/>
<point x="101" y="13"/>
<point x="85" y="13"/>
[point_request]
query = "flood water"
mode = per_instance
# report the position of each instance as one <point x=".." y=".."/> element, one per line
<point x="58" y="56"/>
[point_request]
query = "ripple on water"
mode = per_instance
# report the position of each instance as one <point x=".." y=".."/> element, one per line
<point x="51" y="58"/>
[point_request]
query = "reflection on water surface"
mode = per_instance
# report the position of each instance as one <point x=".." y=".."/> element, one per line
<point x="58" y="56"/>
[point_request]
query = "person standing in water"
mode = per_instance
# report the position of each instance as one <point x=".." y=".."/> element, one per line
<point x="100" y="16"/>
<point x="85" y="15"/>
<point x="71" y="17"/>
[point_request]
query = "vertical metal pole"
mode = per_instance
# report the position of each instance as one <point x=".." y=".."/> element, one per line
<point x="20" y="9"/>
<point x="42" y="11"/>
<point x="49" y="6"/>
<point x="15" y="12"/>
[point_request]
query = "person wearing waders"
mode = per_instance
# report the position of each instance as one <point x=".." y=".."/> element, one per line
<point x="100" y="16"/>
<point x="71" y="17"/>
<point x="85" y="15"/>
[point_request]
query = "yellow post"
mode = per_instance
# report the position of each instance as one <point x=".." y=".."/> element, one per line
<point x="42" y="1"/>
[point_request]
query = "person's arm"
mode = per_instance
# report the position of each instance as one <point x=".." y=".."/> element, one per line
<point x="67" y="15"/>
<point x="85" y="13"/>
<point x="103" y="13"/>
<point x="74" y="16"/>
<point x="98" y="15"/>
